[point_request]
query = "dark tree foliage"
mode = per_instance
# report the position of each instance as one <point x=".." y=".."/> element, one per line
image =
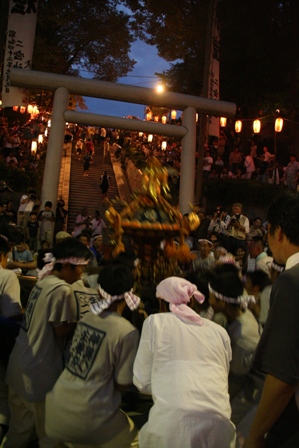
<point x="259" y="58"/>
<point x="94" y="35"/>
<point x="260" y="55"/>
<point x="178" y="29"/>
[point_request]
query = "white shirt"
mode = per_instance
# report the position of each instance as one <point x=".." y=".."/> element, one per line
<point x="36" y="360"/>
<point x="249" y="164"/>
<point x="207" y="163"/>
<point x="83" y="406"/>
<point x="10" y="303"/>
<point x="292" y="261"/>
<point x="185" y="368"/>
<point x="97" y="226"/>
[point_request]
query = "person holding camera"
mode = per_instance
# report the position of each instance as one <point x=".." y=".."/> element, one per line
<point x="61" y="214"/>
<point x="237" y="229"/>
<point x="218" y="223"/>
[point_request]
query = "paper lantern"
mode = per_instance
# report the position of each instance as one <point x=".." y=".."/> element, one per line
<point x="278" y="124"/>
<point x="256" y="126"/>
<point x="238" y="126"/>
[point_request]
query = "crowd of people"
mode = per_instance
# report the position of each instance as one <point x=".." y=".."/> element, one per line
<point x="219" y="357"/>
<point x="224" y="160"/>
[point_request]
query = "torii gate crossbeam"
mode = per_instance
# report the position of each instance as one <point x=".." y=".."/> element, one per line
<point x="64" y="85"/>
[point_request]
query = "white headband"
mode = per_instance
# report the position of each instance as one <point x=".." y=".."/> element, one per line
<point x="131" y="299"/>
<point x="50" y="261"/>
<point x="241" y="300"/>
<point x="205" y="241"/>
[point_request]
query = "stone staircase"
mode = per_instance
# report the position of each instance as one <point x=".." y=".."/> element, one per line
<point x="85" y="191"/>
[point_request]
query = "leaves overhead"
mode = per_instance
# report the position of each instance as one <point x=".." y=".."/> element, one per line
<point x="93" y="35"/>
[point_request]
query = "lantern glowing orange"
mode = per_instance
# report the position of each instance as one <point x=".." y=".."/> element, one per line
<point x="256" y="126"/>
<point x="278" y="124"/>
<point x="238" y="126"/>
<point x="223" y="121"/>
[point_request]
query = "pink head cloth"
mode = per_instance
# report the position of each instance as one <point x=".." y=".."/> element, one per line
<point x="178" y="291"/>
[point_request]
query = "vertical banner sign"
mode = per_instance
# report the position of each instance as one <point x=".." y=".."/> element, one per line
<point x="19" y="48"/>
<point x="213" y="126"/>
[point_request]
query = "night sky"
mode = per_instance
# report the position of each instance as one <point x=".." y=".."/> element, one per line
<point x="143" y="75"/>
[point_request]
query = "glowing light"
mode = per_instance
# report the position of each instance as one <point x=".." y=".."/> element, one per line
<point x="160" y="88"/>
<point x="150" y="138"/>
<point x="278" y="124"/>
<point x="164" y="145"/>
<point x="256" y="126"/>
<point x="33" y="147"/>
<point x="238" y="126"/>
<point x="173" y="114"/>
<point x="164" y="119"/>
<point x="223" y="121"/>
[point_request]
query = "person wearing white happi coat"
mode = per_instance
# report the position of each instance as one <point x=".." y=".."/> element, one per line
<point x="183" y="362"/>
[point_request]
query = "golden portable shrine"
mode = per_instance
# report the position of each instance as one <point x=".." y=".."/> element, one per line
<point x="157" y="230"/>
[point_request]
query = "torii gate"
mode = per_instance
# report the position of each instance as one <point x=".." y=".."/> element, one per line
<point x="65" y="85"/>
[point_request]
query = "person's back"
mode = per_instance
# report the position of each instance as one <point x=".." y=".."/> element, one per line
<point x="36" y="360"/>
<point x="183" y="361"/>
<point x="181" y="350"/>
<point x="100" y="366"/>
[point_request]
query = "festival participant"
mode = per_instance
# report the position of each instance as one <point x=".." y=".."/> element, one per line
<point x="205" y="258"/>
<point x="183" y="362"/>
<point x="227" y="296"/>
<point x="47" y="219"/>
<point x="10" y="312"/>
<point x="292" y="173"/>
<point x="104" y="185"/>
<point x="276" y="419"/>
<point x="237" y="229"/>
<point x="83" y="407"/>
<point x="256" y="251"/>
<point x="97" y="224"/>
<point x="82" y="222"/>
<point x="37" y="357"/>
